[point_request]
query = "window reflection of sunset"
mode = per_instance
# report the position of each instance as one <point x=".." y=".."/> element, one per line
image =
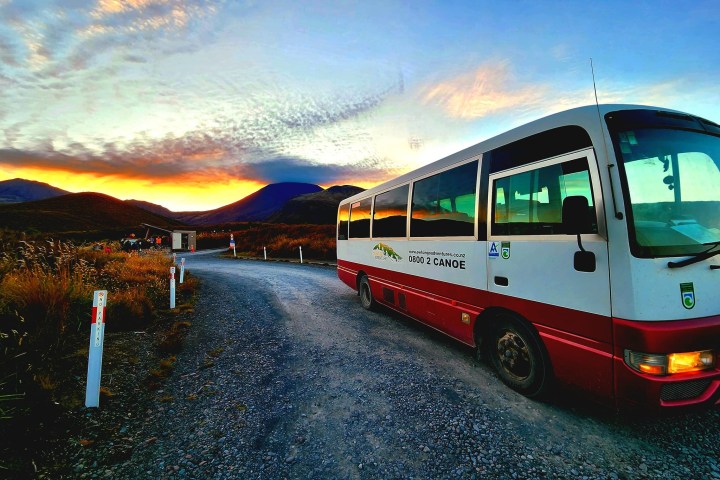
<point x="389" y="212"/>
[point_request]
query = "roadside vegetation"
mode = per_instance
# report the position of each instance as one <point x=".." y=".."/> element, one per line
<point x="46" y="290"/>
<point x="281" y="241"/>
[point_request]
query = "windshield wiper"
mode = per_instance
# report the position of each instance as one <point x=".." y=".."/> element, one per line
<point x="698" y="257"/>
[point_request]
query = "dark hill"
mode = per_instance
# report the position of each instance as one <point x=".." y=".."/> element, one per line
<point x="153" y="208"/>
<point x="257" y="207"/>
<point x="78" y="212"/>
<point x="318" y="208"/>
<point x="20" y="190"/>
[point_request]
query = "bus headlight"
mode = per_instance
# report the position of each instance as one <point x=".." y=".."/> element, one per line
<point x="658" y="364"/>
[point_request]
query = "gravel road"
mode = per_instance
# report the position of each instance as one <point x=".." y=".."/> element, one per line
<point x="284" y="375"/>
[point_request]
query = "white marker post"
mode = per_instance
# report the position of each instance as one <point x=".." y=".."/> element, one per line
<point x="232" y="245"/>
<point x="182" y="269"/>
<point x="264" y="253"/>
<point x="172" y="287"/>
<point x="97" y="335"/>
<point x="300" y="254"/>
<point x="174" y="258"/>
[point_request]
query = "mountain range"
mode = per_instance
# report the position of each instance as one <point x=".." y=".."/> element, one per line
<point x="27" y="204"/>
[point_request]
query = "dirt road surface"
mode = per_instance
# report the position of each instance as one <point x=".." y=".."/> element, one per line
<point x="284" y="375"/>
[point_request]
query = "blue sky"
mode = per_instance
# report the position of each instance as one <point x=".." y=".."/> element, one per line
<point x="195" y="104"/>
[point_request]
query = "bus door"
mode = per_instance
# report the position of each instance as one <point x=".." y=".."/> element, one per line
<point x="530" y="264"/>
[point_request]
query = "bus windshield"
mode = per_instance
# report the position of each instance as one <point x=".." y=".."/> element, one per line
<point x="673" y="189"/>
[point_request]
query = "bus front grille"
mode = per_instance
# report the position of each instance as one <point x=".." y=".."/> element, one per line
<point x="683" y="390"/>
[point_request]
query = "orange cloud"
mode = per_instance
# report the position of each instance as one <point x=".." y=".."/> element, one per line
<point x="489" y="89"/>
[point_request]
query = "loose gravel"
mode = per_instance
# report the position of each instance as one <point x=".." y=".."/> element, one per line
<point x="285" y="376"/>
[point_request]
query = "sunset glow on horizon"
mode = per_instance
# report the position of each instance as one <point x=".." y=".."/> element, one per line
<point x="196" y="104"/>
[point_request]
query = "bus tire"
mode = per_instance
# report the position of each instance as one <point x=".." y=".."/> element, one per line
<point x="366" y="297"/>
<point x="518" y="356"/>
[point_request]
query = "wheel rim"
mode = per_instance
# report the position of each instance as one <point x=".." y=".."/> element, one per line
<point x="513" y="355"/>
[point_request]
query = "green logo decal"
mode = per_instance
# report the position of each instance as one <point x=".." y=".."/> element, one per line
<point x="687" y="295"/>
<point x="505" y="250"/>
<point x="384" y="251"/>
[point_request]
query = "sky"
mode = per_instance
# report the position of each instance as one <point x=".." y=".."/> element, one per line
<point x="195" y="104"/>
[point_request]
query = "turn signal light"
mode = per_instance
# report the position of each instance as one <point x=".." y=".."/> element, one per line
<point x="690" y="361"/>
<point x="672" y="363"/>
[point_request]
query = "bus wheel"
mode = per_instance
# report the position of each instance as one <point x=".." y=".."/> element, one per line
<point x="366" y="298"/>
<point x="518" y="357"/>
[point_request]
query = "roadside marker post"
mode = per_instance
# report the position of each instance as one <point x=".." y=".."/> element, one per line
<point x="174" y="258"/>
<point x="264" y="253"/>
<point x="97" y="336"/>
<point x="182" y="269"/>
<point x="172" y="287"/>
<point x="301" y="255"/>
<point x="232" y="244"/>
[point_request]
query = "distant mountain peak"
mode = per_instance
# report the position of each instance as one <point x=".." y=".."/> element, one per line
<point x="317" y="207"/>
<point x="256" y="207"/>
<point x="19" y="190"/>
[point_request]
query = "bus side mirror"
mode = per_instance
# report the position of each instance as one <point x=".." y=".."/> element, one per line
<point x="576" y="220"/>
<point x="576" y="215"/>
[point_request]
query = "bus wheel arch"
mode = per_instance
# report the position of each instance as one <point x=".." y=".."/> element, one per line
<point x="512" y="346"/>
<point x="365" y="292"/>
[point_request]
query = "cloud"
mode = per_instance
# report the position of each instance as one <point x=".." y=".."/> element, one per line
<point x="205" y="168"/>
<point x="57" y="36"/>
<point x="487" y="90"/>
<point x="492" y="91"/>
<point x="252" y="146"/>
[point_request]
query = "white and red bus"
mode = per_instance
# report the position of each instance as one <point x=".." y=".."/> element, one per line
<point x="580" y="248"/>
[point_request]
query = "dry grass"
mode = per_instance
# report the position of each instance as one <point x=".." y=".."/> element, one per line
<point x="280" y="240"/>
<point x="164" y="369"/>
<point x="46" y="291"/>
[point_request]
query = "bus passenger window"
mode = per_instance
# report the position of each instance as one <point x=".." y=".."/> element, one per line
<point x="444" y="205"/>
<point x="360" y="218"/>
<point x="530" y="203"/>
<point x="343" y="216"/>
<point x="390" y="215"/>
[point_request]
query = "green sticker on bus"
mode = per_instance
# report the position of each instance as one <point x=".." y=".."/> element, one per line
<point x="505" y="250"/>
<point x="384" y="251"/>
<point x="687" y="294"/>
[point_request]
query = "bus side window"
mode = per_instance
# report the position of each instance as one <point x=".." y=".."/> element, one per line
<point x="390" y="214"/>
<point x="360" y="218"/>
<point x="443" y="205"/>
<point x="530" y="203"/>
<point x="343" y="217"/>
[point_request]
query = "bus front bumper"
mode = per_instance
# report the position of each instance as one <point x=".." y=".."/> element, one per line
<point x="666" y="391"/>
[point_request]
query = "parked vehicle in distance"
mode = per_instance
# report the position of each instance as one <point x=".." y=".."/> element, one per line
<point x="580" y="248"/>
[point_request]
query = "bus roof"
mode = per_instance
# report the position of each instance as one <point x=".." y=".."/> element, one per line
<point x="585" y="117"/>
